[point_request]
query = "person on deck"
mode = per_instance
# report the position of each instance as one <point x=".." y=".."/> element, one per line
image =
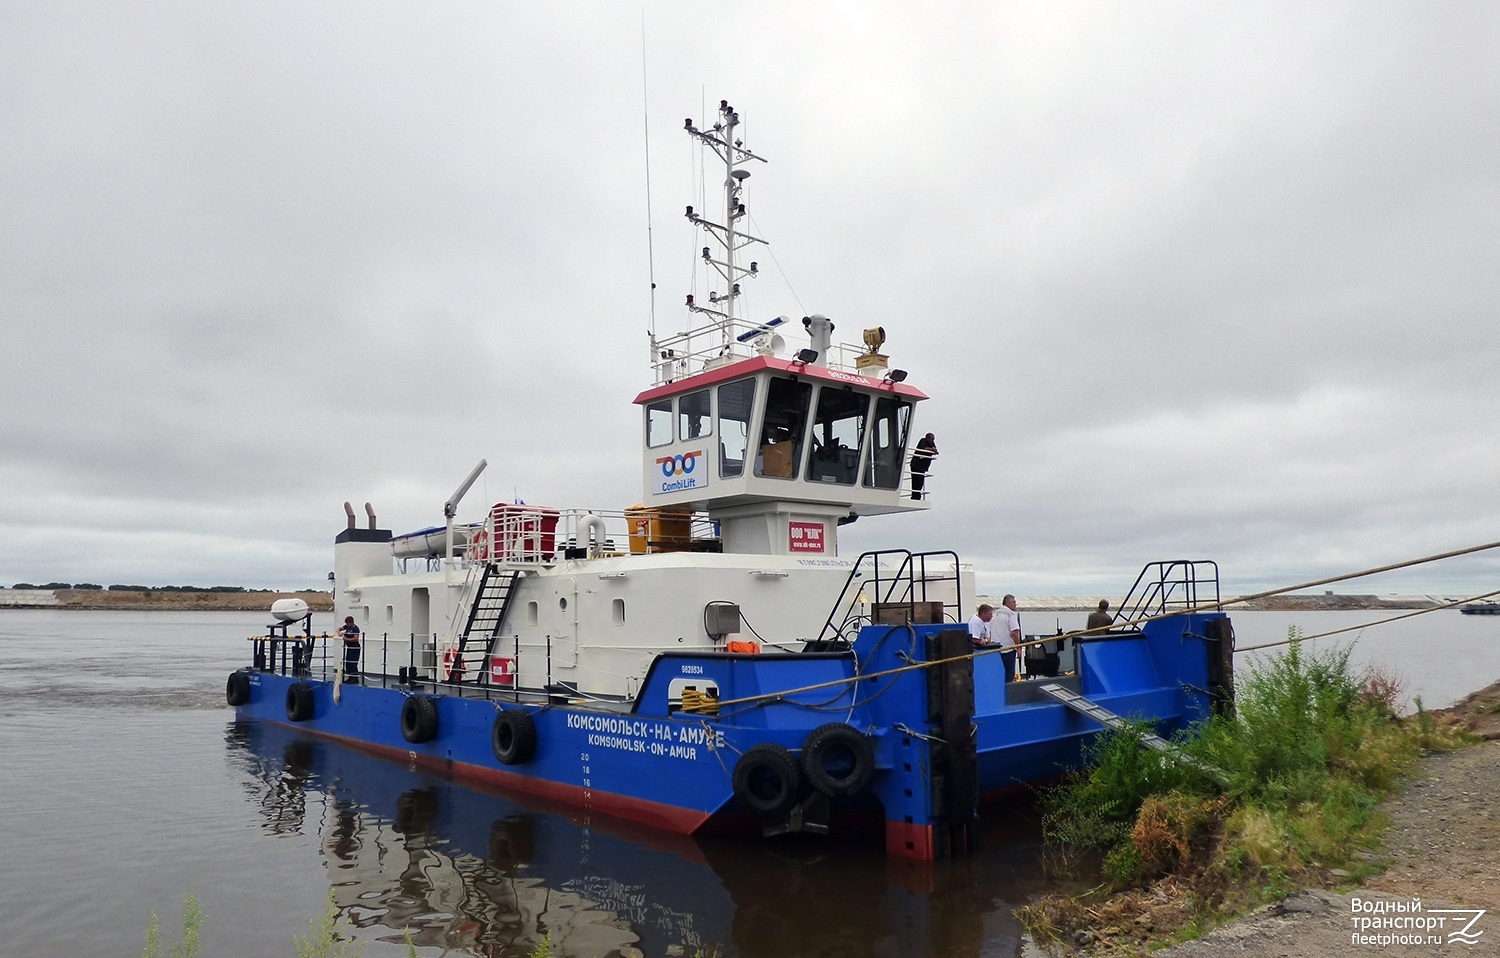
<point x="1100" y="617"/>
<point x="349" y="632"/>
<point x="921" y="461"/>
<point x="979" y="625"/>
<point x="1007" y="633"/>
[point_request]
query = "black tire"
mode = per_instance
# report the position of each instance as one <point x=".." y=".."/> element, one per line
<point x="419" y="719"/>
<point x="237" y="689"/>
<point x="837" y="759"/>
<point x="766" y="780"/>
<point x="513" y="737"/>
<point x="299" y="702"/>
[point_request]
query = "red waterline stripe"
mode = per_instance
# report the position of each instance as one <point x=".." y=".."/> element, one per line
<point x="670" y="818"/>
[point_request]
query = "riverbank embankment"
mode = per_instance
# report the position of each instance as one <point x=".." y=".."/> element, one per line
<point x="156" y="600"/>
<point x="1434" y="867"/>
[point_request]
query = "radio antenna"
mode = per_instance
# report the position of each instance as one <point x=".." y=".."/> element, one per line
<point x="646" y="139"/>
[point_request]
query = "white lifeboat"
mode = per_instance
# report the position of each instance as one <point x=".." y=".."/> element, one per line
<point x="426" y="543"/>
<point x="289" y="610"/>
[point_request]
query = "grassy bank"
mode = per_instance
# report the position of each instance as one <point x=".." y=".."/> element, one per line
<point x="1308" y="754"/>
<point x="156" y="599"/>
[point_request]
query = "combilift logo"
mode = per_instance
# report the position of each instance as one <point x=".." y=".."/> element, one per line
<point x="681" y="472"/>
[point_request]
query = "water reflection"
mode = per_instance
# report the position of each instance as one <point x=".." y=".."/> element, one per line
<point x="474" y="873"/>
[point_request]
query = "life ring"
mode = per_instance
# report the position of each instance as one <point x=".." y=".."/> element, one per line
<point x="513" y="737"/>
<point x="837" y="759"/>
<point x="766" y="780"/>
<point x="419" y="718"/>
<point x="237" y="689"/>
<point x="299" y="702"/>
<point x="453" y="665"/>
<point x="479" y="546"/>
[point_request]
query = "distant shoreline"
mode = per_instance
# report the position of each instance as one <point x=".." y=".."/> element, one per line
<point x="131" y="600"/>
<point x="135" y="600"/>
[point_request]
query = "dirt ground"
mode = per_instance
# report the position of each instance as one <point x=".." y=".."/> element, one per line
<point x="196" y="601"/>
<point x="1443" y="847"/>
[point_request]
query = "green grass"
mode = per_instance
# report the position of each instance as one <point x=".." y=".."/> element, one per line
<point x="192" y="924"/>
<point x="328" y="936"/>
<point x="1310" y="750"/>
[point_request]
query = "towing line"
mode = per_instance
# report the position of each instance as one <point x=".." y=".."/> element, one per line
<point x="771" y="698"/>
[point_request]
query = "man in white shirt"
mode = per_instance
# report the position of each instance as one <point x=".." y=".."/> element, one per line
<point x="979" y="626"/>
<point x="1007" y="634"/>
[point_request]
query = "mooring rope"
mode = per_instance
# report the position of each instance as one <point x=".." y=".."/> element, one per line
<point x="773" y="697"/>
<point x="1367" y="625"/>
<point x="1255" y="596"/>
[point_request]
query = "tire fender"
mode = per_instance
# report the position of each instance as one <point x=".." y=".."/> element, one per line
<point x="299" y="702"/>
<point x="837" y="759"/>
<point x="419" y="719"/>
<point x="513" y="737"/>
<point x="766" y="780"/>
<point x="237" y="689"/>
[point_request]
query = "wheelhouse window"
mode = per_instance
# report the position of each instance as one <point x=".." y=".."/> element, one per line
<point x="784" y="429"/>
<point x="838" y="432"/>
<point x="736" y="400"/>
<point x="887" y="442"/>
<point x="659" y="423"/>
<point x="693" y="420"/>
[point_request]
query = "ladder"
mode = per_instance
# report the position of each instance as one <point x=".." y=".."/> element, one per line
<point x="1105" y="717"/>
<point x="486" y="615"/>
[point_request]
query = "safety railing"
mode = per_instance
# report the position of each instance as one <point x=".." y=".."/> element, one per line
<point x="1173" y="585"/>
<point x="416" y="662"/>
<point x="722" y="342"/>
<point x="531" y="536"/>
<point x="895" y="577"/>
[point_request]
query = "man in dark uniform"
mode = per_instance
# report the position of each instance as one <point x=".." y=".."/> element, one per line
<point x="349" y="632"/>
<point x="921" y="459"/>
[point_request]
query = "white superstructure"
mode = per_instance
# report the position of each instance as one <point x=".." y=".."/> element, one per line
<point x="752" y="457"/>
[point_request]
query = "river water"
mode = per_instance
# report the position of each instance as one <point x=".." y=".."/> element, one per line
<point x="126" y="785"/>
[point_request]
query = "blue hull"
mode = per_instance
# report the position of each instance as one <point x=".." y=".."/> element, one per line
<point x="651" y="763"/>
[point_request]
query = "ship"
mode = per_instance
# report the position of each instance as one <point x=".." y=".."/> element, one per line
<point x="708" y="660"/>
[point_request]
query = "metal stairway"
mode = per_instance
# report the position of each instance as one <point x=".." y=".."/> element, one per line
<point x="486" y="615"/>
<point x="1108" y="719"/>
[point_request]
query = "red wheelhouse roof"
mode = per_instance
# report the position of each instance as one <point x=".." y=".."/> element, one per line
<point x="748" y="367"/>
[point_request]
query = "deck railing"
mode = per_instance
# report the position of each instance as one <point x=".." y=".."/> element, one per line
<point x="1173" y="585"/>
<point x="895" y="577"/>
<point x="410" y="662"/>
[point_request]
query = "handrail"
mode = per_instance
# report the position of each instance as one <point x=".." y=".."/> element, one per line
<point x="1170" y="584"/>
<point x="912" y="570"/>
<point x="309" y="657"/>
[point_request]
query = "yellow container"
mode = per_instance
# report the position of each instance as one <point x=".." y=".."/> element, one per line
<point x="658" y="530"/>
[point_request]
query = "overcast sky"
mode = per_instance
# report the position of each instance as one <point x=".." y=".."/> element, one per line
<point x="1182" y="280"/>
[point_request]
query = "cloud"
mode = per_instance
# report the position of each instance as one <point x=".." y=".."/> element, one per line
<point x="1205" y="282"/>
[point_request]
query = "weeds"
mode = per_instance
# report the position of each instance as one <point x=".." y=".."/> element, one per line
<point x="1309" y="751"/>
<point x="192" y="924"/>
<point x="327" y="938"/>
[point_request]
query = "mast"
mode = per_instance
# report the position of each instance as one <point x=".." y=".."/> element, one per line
<point x="729" y="235"/>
